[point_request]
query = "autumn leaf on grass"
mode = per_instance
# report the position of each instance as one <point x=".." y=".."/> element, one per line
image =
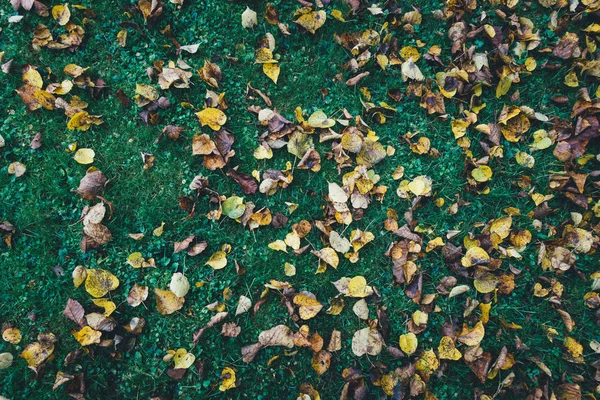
<point x="17" y="169"/>
<point x="309" y="306"/>
<point x="367" y="341"/>
<point x="328" y="256"/>
<point x="321" y="361"/>
<point x="37" y="353"/>
<point x="227" y="379"/>
<point x="213" y="117"/>
<point x="83" y="121"/>
<point x="447" y="350"/>
<point x="75" y="312"/>
<point x="179" y="284"/>
<point x="6" y="360"/>
<point x="182" y="359"/>
<point x="137" y="295"/>
<point x="87" y="336"/>
<point x="211" y="74"/>
<point x="11" y="335"/>
<point x="218" y="260"/>
<point x="249" y="18"/>
<point x="61" y="14"/>
<point x="92" y="184"/>
<point x="475" y="256"/>
<point x="99" y="282"/>
<point x="472" y="337"/>
<point x="319" y="119"/>
<point x="168" y="302"/>
<point x="408" y="343"/>
<point x="310" y="20"/>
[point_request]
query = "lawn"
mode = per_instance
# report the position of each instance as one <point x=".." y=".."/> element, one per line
<point x="299" y="199"/>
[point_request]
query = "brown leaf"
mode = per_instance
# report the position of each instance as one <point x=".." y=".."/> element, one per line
<point x="36" y="142"/>
<point x="75" y="312"/>
<point x="184" y="244"/>
<point x="321" y="361"/>
<point x="137" y="295"/>
<point x="246" y="182"/>
<point x="92" y="185"/>
<point x="230" y="329"/>
<point x="250" y="351"/>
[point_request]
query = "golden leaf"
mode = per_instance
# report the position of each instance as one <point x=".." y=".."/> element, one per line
<point x="99" y="282"/>
<point x="227" y="379"/>
<point x="168" y="302"/>
<point x="272" y="71"/>
<point x="472" y="337"/>
<point x="218" y="260"/>
<point x="447" y="350"/>
<point x="213" y="117"/>
<point x="408" y="343"/>
<point x="87" y="336"/>
<point x="61" y="13"/>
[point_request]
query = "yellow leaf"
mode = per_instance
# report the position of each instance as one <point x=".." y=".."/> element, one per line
<point x="37" y="353"/>
<point x="571" y="79"/>
<point x="337" y="14"/>
<point x="79" y="275"/>
<point x="503" y="86"/>
<point x="12" y="335"/>
<point x="6" y="360"/>
<point x="84" y="156"/>
<point x="182" y="359"/>
<point x="32" y="77"/>
<point x="278" y="245"/>
<point x="159" y="231"/>
<point x="420" y="186"/>
<point x="447" y="350"/>
<point x="482" y="173"/>
<point x="17" y="169"/>
<point x="319" y="119"/>
<point x="227" y="379"/>
<point x="168" y="302"/>
<point x="135" y="259"/>
<point x="459" y="128"/>
<point x="485" y="282"/>
<point x="524" y="159"/>
<point x="146" y="91"/>
<point x="122" y="38"/>
<point x="289" y="269"/>
<point x="409" y="343"/>
<point x="87" y="336"/>
<point x="573" y="347"/>
<point x="99" y="282"/>
<point x="475" y="256"/>
<point x="218" y="260"/>
<point x="472" y="337"/>
<point x="308" y="306"/>
<point x="428" y="363"/>
<point x="357" y="287"/>
<point x="264" y="55"/>
<point x="501" y="226"/>
<point x="313" y="20"/>
<point x="328" y="255"/>
<point x="108" y="306"/>
<point x="272" y="71"/>
<point x="61" y="13"/>
<point x="213" y="117"/>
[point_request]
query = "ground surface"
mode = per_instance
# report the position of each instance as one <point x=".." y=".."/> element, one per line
<point x="42" y="240"/>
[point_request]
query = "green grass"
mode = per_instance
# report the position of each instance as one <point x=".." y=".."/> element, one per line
<point x="45" y="212"/>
